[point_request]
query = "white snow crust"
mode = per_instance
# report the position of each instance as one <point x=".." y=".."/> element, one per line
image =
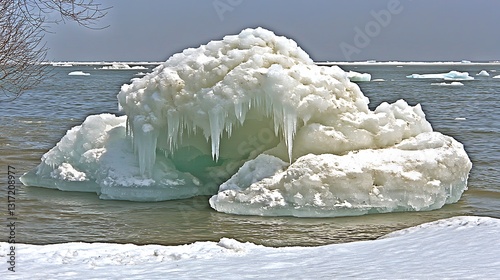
<point x="206" y="113"/>
<point x="452" y="75"/>
<point x="456" y="248"/>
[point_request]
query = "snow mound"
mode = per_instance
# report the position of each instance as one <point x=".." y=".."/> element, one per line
<point x="483" y="73"/>
<point x="358" y="77"/>
<point x="253" y="116"/>
<point x="78" y="73"/>
<point x="429" y="251"/>
<point x="452" y="75"/>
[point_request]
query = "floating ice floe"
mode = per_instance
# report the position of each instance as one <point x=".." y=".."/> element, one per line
<point x="452" y="75"/>
<point x="122" y="66"/>
<point x="483" y="73"/>
<point x="254" y="121"/>
<point x="78" y="73"/>
<point x="452" y="84"/>
<point x="496" y="77"/>
<point x="358" y="77"/>
<point x="378" y="80"/>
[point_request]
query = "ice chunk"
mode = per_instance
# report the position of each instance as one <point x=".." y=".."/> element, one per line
<point x="483" y="73"/>
<point x="496" y="77"/>
<point x="420" y="173"/>
<point x="359" y="77"/>
<point x="97" y="157"/>
<point x="452" y="75"/>
<point x="78" y="73"/>
<point x="301" y="135"/>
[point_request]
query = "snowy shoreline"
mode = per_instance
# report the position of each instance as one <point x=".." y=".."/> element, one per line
<point x="454" y="248"/>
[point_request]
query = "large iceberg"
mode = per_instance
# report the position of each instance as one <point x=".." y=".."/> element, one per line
<point x="253" y="121"/>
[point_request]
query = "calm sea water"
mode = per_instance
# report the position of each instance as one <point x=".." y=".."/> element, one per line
<point x="34" y="123"/>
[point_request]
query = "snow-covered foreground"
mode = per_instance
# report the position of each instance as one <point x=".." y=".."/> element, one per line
<point x="455" y="248"/>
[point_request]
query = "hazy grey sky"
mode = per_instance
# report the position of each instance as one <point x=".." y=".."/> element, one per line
<point x="353" y="30"/>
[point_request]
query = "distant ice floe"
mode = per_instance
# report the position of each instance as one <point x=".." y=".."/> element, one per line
<point x="253" y="121"/>
<point x="452" y="84"/>
<point x="78" y="73"/>
<point x="378" y="80"/>
<point x="496" y="77"/>
<point x="358" y="77"/>
<point x="483" y="73"/>
<point x="61" y="64"/>
<point x="122" y="66"/>
<point x="452" y="75"/>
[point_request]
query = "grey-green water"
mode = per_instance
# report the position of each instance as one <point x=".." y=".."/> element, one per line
<point x="32" y="124"/>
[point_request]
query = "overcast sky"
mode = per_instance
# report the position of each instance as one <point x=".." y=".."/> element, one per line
<point x="329" y="30"/>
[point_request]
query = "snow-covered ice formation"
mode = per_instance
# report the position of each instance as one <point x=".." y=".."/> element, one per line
<point x="253" y="116"/>
<point x="456" y="248"/>
<point x="452" y="75"/>
<point x="496" y="77"/>
<point x="358" y="77"/>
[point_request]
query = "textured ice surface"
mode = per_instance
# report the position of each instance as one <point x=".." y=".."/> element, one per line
<point x="301" y="135"/>
<point x="421" y="173"/>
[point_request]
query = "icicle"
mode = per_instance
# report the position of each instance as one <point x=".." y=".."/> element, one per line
<point x="289" y="129"/>
<point x="216" y="120"/>
<point x="145" y="140"/>
<point x="173" y="125"/>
